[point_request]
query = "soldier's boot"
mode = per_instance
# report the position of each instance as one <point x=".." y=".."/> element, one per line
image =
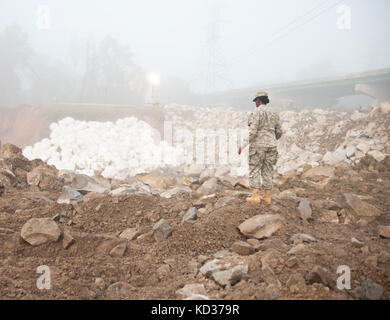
<point x="255" y="198"/>
<point x="267" y="197"/>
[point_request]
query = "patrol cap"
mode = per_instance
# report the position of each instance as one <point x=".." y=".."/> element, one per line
<point x="260" y="94"/>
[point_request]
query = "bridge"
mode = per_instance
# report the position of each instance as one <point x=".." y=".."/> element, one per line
<point x="312" y="93"/>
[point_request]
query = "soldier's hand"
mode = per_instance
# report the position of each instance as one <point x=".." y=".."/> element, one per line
<point x="239" y="150"/>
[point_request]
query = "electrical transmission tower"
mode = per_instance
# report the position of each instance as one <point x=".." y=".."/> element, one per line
<point x="216" y="68"/>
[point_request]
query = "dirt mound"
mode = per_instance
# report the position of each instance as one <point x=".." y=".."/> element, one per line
<point x="299" y="261"/>
<point x="14" y="169"/>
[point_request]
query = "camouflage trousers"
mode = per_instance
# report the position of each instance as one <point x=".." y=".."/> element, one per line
<point x="261" y="165"/>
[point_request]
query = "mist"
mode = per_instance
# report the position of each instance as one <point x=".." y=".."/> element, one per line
<point x="103" y="52"/>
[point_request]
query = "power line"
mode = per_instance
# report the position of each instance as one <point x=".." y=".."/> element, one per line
<point x="308" y="21"/>
<point x="270" y="39"/>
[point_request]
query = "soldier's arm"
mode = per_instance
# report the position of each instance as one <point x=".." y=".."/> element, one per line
<point x="253" y="123"/>
<point x="278" y="128"/>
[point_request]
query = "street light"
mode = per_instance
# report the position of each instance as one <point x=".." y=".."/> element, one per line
<point x="154" y="80"/>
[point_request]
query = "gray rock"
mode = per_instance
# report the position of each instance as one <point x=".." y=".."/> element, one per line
<point x="377" y="155"/>
<point x="261" y="226"/>
<point x="230" y="276"/>
<point x="321" y="275"/>
<point x="371" y="290"/>
<point x="193" y="170"/>
<point x="220" y="253"/>
<point x="37" y="231"/>
<point x="210" y="267"/>
<point x="84" y="183"/>
<point x="303" y="237"/>
<point x="229" y="181"/>
<point x="334" y="157"/>
<point x="305" y="209"/>
<point x="67" y="240"/>
<point x="384" y="231"/>
<point x="242" y="182"/>
<point x="254" y="243"/>
<point x="223" y="201"/>
<point x="293" y="261"/>
<point x="297" y="249"/>
<point x="206" y="174"/>
<point x="120" y="291"/>
<point x="321" y="171"/>
<point x="361" y="208"/>
<point x="222" y="171"/>
<point x="269" y="276"/>
<point x="190" y="215"/>
<point x="129" y="234"/>
<point x="356" y="243"/>
<point x="162" y="230"/>
<point x="34" y="177"/>
<point x="208" y="186"/>
<point x="119" y="250"/>
<point x="191" y="289"/>
<point x="122" y="191"/>
<point x="242" y="248"/>
<point x="176" y="190"/>
<point x="70" y="196"/>
<point x="66" y="175"/>
<point x="157" y="180"/>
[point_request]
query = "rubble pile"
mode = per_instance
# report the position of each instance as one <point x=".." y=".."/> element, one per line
<point x="190" y="234"/>
<point x="313" y="137"/>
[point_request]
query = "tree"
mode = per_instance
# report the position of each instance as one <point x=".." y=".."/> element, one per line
<point x="111" y="75"/>
<point x="15" y="52"/>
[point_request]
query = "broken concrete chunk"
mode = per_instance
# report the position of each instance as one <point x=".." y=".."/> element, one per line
<point x="261" y="226"/>
<point x="38" y="231"/>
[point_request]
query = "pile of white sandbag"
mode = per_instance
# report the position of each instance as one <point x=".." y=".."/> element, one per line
<point x="115" y="150"/>
<point x="130" y="146"/>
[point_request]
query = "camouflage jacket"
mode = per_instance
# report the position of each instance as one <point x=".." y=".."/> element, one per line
<point x="264" y="128"/>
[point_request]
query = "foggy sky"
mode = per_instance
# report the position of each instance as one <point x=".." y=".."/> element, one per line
<point x="172" y="37"/>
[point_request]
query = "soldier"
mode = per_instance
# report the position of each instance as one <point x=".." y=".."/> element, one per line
<point x="264" y="130"/>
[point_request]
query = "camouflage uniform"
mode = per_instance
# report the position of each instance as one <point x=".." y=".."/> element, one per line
<point x="264" y="130"/>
